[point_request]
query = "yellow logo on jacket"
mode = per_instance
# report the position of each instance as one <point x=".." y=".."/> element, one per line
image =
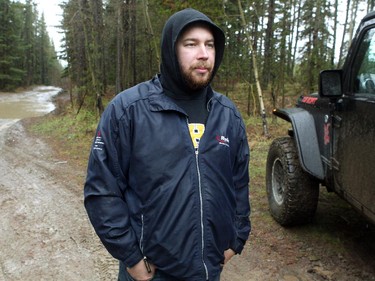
<point x="196" y="133"/>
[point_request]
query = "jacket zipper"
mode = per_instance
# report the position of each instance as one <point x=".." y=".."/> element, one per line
<point x="141" y="247"/>
<point x="201" y="203"/>
<point x="141" y="238"/>
<point x="201" y="210"/>
<point x="209" y="105"/>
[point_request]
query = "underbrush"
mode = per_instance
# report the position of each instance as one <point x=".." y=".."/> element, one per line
<point x="70" y="134"/>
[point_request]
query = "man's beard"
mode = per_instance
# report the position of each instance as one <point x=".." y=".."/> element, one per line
<point x="194" y="81"/>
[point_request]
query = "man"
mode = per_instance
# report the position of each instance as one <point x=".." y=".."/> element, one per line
<point x="167" y="181"/>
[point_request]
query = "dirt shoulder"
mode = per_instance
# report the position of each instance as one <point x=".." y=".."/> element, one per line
<point x="46" y="234"/>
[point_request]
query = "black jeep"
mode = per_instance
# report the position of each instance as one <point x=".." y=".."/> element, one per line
<point x="332" y="140"/>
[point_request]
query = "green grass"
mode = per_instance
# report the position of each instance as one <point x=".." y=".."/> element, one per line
<point x="71" y="134"/>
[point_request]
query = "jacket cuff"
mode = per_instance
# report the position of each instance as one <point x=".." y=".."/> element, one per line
<point x="238" y="246"/>
<point x="135" y="257"/>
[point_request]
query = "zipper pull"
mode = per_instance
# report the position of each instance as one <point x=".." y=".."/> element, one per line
<point x="148" y="267"/>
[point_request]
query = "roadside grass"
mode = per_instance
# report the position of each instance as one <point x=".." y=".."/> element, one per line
<point x="70" y="134"/>
<point x="259" y="145"/>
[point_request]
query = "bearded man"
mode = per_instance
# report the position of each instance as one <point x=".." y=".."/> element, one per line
<point x="167" y="186"/>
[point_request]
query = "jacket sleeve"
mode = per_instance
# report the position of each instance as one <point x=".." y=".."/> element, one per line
<point x="241" y="181"/>
<point x="105" y="186"/>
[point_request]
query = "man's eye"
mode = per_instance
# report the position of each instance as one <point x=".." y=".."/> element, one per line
<point x="211" y="45"/>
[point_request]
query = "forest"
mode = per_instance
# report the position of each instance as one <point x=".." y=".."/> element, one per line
<point x="27" y="55"/>
<point x="274" y="48"/>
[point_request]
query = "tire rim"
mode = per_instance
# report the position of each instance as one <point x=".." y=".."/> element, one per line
<point x="277" y="181"/>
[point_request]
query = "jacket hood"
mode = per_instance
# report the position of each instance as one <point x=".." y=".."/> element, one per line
<point x="171" y="77"/>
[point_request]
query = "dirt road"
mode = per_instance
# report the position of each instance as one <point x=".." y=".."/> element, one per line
<point x="45" y="234"/>
<point x="44" y="231"/>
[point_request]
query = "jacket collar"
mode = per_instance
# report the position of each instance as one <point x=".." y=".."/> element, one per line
<point x="159" y="101"/>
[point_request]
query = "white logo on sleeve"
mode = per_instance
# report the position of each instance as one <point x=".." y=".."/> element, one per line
<point x="223" y="140"/>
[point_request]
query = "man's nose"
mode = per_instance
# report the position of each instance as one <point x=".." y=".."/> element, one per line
<point x="203" y="52"/>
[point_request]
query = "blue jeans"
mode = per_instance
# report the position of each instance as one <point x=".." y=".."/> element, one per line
<point x="123" y="275"/>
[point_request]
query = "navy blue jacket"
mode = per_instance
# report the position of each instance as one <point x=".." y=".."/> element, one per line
<point x="149" y="193"/>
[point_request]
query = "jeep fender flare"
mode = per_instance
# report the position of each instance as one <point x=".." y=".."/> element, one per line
<point x="306" y="139"/>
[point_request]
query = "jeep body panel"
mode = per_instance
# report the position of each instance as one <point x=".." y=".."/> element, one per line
<point x="306" y="139"/>
<point x="353" y="116"/>
<point x="354" y="154"/>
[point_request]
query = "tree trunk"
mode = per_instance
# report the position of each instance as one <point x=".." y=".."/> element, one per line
<point x="282" y="69"/>
<point x="343" y="34"/>
<point x="119" y="44"/>
<point x="268" y="45"/>
<point x="133" y="30"/>
<point x="370" y="5"/>
<point x="256" y="73"/>
<point x="98" y="61"/>
<point x="297" y="35"/>
<point x="352" y="20"/>
<point x="334" y="34"/>
<point x="151" y="31"/>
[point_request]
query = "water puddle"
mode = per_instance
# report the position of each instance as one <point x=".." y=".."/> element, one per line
<point x="33" y="103"/>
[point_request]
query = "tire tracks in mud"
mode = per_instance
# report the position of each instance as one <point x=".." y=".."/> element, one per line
<point x="44" y="228"/>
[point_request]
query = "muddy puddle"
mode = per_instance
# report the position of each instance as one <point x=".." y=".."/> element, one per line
<point x="33" y="103"/>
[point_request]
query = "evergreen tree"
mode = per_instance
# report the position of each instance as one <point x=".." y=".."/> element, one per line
<point x="28" y="37"/>
<point x="11" y="49"/>
<point x="27" y="55"/>
<point x="316" y="53"/>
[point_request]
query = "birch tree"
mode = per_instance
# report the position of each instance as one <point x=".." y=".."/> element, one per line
<point x="255" y="69"/>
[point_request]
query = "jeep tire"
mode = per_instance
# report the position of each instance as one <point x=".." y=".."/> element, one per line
<point x="292" y="193"/>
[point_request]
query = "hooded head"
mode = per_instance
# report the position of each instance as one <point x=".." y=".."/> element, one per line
<point x="171" y="77"/>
